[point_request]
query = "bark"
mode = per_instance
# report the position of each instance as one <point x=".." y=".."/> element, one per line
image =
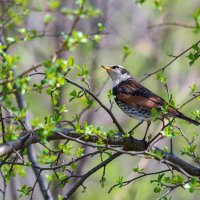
<point x="129" y="145"/>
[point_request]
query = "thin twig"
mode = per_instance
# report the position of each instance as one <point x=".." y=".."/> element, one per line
<point x="167" y="65"/>
<point x="191" y="99"/>
<point x="171" y="24"/>
<point x="2" y="125"/>
<point x="173" y="188"/>
<point x="100" y="103"/>
<point x="34" y="67"/>
<point x="157" y="135"/>
<point x="89" y="173"/>
<point x="133" y="179"/>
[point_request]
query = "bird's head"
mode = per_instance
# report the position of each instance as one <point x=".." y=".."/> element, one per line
<point x="117" y="73"/>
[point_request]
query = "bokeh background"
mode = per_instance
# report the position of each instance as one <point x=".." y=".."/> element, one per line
<point x="127" y="23"/>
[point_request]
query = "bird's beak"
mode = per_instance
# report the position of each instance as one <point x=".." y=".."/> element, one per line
<point x="106" y="67"/>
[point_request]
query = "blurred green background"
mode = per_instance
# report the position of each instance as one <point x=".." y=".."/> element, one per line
<point x="126" y="24"/>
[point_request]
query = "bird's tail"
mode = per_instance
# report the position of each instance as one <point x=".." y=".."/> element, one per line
<point x="182" y="116"/>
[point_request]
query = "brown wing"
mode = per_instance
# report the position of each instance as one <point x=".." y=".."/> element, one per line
<point x="133" y="93"/>
<point x="138" y="100"/>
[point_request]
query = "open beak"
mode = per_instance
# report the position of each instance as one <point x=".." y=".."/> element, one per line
<point x="106" y="67"/>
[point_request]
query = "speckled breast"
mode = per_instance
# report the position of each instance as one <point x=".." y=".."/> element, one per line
<point x="135" y="112"/>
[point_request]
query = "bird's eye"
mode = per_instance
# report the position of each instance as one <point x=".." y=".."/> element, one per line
<point x="114" y="67"/>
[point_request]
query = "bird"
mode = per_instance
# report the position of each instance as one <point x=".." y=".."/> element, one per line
<point x="137" y="101"/>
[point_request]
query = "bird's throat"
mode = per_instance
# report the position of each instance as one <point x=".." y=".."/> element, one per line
<point x="121" y="78"/>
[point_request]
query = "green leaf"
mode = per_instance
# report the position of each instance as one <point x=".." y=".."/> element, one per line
<point x="158" y="4"/>
<point x="110" y="95"/>
<point x="193" y="88"/>
<point x="196" y="16"/>
<point x="66" y="148"/>
<point x="60" y="197"/>
<point x="54" y="4"/>
<point x="166" y="149"/>
<point x="55" y="96"/>
<point x="189" y="150"/>
<point x="83" y="71"/>
<point x="62" y="176"/>
<point x="187" y="186"/>
<point x="155" y="114"/>
<point x="48" y="18"/>
<point x="10" y="39"/>
<point x="24" y="190"/>
<point x="97" y="37"/>
<point x="50" y="177"/>
<point x="70" y="61"/>
<point x="163" y="198"/>
<point x="73" y="94"/>
<point x="73" y="166"/>
<point x="61" y="109"/>
<point x="28" y="164"/>
<point x="196" y="113"/>
<point x="120" y="181"/>
<point x="194" y="54"/>
<point x="141" y="1"/>
<point x="100" y="27"/>
<point x="157" y="189"/>
<point x="80" y="151"/>
<point x="38" y="87"/>
<point x="136" y="169"/>
<point x="22" y="30"/>
<point x="127" y="51"/>
<point x="161" y="77"/>
<point x="169" y="132"/>
<point x="47" y="158"/>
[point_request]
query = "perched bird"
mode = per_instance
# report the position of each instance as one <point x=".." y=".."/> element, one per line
<point x="136" y="100"/>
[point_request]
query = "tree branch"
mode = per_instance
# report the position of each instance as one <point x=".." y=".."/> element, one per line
<point x="30" y="150"/>
<point x="89" y="173"/>
<point x="128" y="145"/>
